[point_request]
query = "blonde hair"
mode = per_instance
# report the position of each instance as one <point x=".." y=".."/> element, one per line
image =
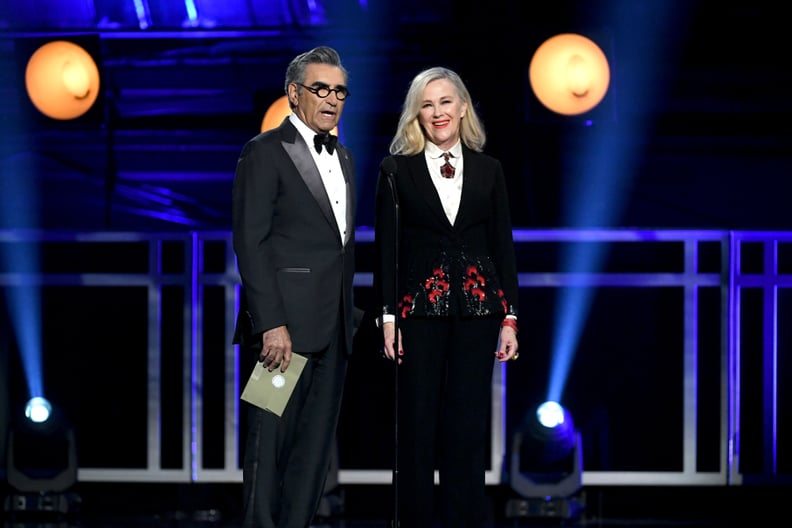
<point x="410" y="138"/>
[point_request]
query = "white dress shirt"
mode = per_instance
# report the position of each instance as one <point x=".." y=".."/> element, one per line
<point x="330" y="169"/>
<point x="449" y="189"/>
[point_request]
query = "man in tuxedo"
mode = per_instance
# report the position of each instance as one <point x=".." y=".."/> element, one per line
<point x="294" y="238"/>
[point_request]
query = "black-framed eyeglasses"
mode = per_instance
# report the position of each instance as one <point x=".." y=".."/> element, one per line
<point x="324" y="91"/>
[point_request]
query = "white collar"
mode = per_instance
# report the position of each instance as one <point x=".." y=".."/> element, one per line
<point x="433" y="151"/>
<point x="302" y="128"/>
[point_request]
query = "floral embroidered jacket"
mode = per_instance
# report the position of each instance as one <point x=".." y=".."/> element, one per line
<point x="465" y="269"/>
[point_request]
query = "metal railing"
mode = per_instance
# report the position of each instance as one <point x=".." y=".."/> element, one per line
<point x="188" y="286"/>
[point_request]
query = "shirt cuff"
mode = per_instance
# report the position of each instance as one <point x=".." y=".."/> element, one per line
<point x="386" y="318"/>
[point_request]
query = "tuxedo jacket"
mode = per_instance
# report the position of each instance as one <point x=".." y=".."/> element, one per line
<point x="294" y="268"/>
<point x="465" y="269"/>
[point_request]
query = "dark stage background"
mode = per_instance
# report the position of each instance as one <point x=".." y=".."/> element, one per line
<point x="693" y="134"/>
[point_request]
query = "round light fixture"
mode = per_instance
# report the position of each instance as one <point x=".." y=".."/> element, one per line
<point x="277" y="112"/>
<point x="62" y="80"/>
<point x="38" y="409"/>
<point x="569" y="74"/>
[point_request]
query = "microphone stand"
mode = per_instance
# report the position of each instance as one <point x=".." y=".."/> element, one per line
<point x="395" y="196"/>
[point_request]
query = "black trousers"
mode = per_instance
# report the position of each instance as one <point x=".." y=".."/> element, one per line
<point x="445" y="392"/>
<point x="287" y="459"/>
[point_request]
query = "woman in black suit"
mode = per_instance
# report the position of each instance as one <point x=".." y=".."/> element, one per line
<point x="457" y="296"/>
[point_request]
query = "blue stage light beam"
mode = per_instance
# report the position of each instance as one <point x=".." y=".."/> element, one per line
<point x="604" y="171"/>
<point x="143" y="14"/>
<point x="571" y="311"/>
<point x="19" y="210"/>
<point x="192" y="12"/>
<point x="24" y="306"/>
<point x="368" y="74"/>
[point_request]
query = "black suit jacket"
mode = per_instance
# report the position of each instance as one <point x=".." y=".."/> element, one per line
<point x="465" y="269"/>
<point x="295" y="270"/>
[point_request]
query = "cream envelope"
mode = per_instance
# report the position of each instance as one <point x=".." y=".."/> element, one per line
<point x="271" y="390"/>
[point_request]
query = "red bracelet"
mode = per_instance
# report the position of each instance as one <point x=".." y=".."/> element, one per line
<point x="511" y="323"/>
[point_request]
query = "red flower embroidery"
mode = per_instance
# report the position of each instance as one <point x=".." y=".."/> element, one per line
<point x="405" y="305"/>
<point x="434" y="296"/>
<point x="436" y="285"/>
<point x="473" y="282"/>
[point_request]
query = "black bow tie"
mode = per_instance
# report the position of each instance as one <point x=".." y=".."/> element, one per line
<point x="328" y="140"/>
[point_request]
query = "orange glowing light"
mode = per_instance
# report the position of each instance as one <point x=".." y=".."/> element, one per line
<point x="62" y="80"/>
<point x="569" y="74"/>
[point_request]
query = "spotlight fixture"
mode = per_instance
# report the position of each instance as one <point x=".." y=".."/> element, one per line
<point x="62" y="80"/>
<point x="569" y="74"/>
<point x="546" y="465"/>
<point x="41" y="461"/>
<point x="38" y="410"/>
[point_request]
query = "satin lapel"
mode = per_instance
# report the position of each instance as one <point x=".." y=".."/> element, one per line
<point x="425" y="187"/>
<point x="297" y="150"/>
<point x="346" y="168"/>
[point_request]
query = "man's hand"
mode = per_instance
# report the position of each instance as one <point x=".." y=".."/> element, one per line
<point x="276" y="348"/>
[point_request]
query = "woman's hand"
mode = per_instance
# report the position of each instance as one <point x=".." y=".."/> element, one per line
<point x="388" y="336"/>
<point x="507" y="344"/>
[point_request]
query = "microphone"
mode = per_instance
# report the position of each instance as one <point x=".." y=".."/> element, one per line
<point x="389" y="168"/>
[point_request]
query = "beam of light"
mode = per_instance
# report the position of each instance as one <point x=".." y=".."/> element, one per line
<point x="571" y="311"/>
<point x="602" y="177"/>
<point x="24" y="306"/>
<point x="19" y="210"/>
<point x="142" y="12"/>
<point x="369" y="73"/>
<point x="597" y="202"/>
<point x="19" y="207"/>
<point x="192" y="12"/>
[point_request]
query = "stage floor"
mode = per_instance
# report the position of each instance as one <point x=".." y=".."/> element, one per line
<point x="117" y="505"/>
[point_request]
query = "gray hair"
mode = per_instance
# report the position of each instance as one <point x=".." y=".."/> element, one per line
<point x="295" y="73"/>
<point x="410" y="138"/>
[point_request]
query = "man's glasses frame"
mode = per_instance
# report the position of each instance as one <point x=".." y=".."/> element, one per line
<point x="324" y="91"/>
